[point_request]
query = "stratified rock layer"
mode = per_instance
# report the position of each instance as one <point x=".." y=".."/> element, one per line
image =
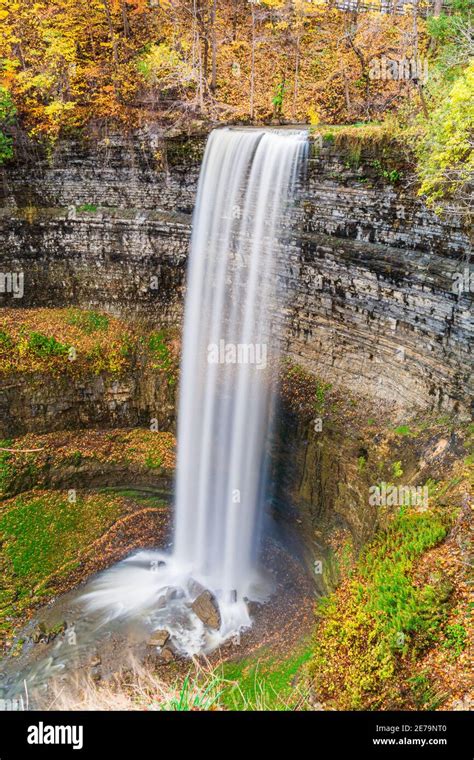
<point x="370" y="269"/>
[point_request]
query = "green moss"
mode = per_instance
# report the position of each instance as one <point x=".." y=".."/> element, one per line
<point x="403" y="430"/>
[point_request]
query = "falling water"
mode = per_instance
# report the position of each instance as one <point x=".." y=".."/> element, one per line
<point x="230" y="354"/>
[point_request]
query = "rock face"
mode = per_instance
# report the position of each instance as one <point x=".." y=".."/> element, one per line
<point x="369" y="269"/>
<point x="207" y="610"/>
<point x="158" y="638"/>
<point x="42" y="402"/>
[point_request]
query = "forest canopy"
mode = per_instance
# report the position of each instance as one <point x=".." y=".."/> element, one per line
<point x="70" y="65"/>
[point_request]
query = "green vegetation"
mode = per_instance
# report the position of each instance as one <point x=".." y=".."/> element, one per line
<point x="88" y="321"/>
<point x="5" y="340"/>
<point x="66" y="341"/>
<point x="194" y="695"/>
<point x="47" y="454"/>
<point x="422" y="692"/>
<point x="443" y="139"/>
<point x="302" y="390"/>
<point x="446" y="156"/>
<point x="7" y="116"/>
<point x="43" y="532"/>
<point x="403" y="430"/>
<point x="153" y="462"/>
<point x="379" y="618"/>
<point x="5" y="466"/>
<point x="90" y="207"/>
<point x="162" y="357"/>
<point x="455" y="639"/>
<point x="397" y="470"/>
<point x="43" y="535"/>
<point x="264" y="683"/>
<point x="45" y="346"/>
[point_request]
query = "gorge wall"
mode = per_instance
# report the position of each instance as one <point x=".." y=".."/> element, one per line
<point x="370" y="271"/>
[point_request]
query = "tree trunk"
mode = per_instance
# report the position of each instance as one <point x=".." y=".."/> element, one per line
<point x="108" y="16"/>
<point x="297" y="72"/>
<point x="213" y="46"/>
<point x="125" y="21"/>
<point x="252" y="67"/>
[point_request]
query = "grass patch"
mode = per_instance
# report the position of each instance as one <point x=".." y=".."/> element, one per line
<point x="423" y="695"/>
<point x="41" y="533"/>
<point x="64" y="342"/>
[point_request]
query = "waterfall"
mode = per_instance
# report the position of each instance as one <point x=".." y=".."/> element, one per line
<point x="228" y="355"/>
<point x="228" y="369"/>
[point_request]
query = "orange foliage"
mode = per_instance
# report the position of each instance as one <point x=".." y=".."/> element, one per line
<point x="69" y="63"/>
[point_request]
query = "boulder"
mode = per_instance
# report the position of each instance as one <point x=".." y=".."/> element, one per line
<point x="206" y="608"/>
<point x="167" y="655"/>
<point x="158" y="638"/>
<point x="46" y="632"/>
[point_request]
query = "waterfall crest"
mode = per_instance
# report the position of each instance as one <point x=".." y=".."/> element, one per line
<point x="229" y="362"/>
